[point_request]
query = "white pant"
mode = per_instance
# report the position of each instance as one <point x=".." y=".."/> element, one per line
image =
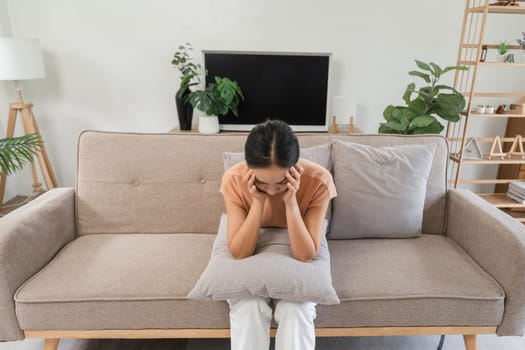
<point x="250" y="320"/>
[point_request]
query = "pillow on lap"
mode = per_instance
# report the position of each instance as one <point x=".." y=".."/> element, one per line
<point x="270" y="272"/>
<point x="381" y="190"/>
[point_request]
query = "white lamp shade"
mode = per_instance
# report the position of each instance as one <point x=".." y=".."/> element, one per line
<point x="21" y="59"/>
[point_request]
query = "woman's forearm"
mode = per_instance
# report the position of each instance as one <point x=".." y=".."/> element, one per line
<point x="245" y="240"/>
<point x="301" y="242"/>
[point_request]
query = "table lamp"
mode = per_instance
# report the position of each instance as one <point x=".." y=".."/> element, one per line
<point x="21" y="59"/>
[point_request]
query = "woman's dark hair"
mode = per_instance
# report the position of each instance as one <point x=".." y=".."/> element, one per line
<point x="271" y="143"/>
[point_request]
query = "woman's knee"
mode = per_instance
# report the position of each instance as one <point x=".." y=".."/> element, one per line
<point x="303" y="310"/>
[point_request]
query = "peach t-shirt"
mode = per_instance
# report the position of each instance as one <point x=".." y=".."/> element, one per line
<point x="316" y="187"/>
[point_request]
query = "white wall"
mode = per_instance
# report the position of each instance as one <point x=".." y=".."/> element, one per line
<point x="108" y="62"/>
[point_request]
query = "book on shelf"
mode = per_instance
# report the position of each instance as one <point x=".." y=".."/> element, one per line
<point x="517" y="187"/>
<point x="515" y="197"/>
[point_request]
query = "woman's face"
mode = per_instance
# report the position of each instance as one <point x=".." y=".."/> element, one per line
<point x="270" y="180"/>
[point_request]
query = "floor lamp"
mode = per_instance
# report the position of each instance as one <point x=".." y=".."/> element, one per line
<point x="21" y="59"/>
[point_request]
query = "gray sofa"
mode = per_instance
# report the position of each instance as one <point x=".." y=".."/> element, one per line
<point x="116" y="256"/>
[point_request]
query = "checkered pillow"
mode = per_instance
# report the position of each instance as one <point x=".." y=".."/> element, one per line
<point x="270" y="272"/>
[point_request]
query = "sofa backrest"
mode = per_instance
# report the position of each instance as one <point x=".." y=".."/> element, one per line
<point x="169" y="183"/>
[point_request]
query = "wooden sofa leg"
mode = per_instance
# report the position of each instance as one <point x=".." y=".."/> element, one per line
<point x="470" y="341"/>
<point x="51" y="343"/>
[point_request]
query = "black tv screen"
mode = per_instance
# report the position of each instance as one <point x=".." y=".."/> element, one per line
<point x="292" y="87"/>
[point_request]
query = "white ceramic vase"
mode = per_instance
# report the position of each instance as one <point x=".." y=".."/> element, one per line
<point x="209" y="124"/>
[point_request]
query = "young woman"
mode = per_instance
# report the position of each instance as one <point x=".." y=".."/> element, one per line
<point x="274" y="187"/>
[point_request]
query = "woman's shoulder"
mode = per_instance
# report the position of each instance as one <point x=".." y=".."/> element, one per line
<point x="315" y="170"/>
<point x="238" y="169"/>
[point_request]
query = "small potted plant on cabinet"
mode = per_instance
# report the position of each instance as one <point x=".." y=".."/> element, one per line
<point x="189" y="77"/>
<point x="218" y="98"/>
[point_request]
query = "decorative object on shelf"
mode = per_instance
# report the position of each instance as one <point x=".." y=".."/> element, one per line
<point x="521" y="42"/>
<point x="218" y="98"/>
<point x="334" y="129"/>
<point x="503" y="53"/>
<point x="189" y="77"/>
<point x="480" y="109"/>
<point x="501" y="109"/>
<point x="419" y="115"/>
<point x="352" y="129"/>
<point x="472" y="149"/>
<point x="516" y="191"/>
<point x="516" y="144"/>
<point x="484" y="50"/>
<point x="21" y="59"/>
<point x="499" y="153"/>
<point x="489" y="109"/>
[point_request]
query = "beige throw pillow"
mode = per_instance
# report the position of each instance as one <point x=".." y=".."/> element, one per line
<point x="271" y="272"/>
<point x="380" y="191"/>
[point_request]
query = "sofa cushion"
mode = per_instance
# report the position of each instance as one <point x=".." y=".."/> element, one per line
<point x="119" y="281"/>
<point x="424" y="281"/>
<point x="381" y="191"/>
<point x="320" y="154"/>
<point x="270" y="272"/>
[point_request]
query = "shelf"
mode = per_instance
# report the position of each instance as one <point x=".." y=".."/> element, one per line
<point x="486" y="115"/>
<point x="500" y="200"/>
<point x="494" y="94"/>
<point x="472" y="63"/>
<point x="489" y="46"/>
<point x="518" y="215"/>
<point x="485" y="160"/>
<point x="498" y="9"/>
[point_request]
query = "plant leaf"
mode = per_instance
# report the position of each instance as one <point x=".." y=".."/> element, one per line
<point x="424" y="66"/>
<point x="408" y="92"/>
<point x="422" y="121"/>
<point x="424" y="76"/>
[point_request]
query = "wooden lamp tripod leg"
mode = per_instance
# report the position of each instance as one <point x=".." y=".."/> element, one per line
<point x="37" y="186"/>
<point x="10" y="133"/>
<point x="44" y="154"/>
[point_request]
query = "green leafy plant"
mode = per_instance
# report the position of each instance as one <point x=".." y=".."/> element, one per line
<point x="217" y="98"/>
<point x="188" y="69"/>
<point x="16" y="151"/>
<point x="419" y="114"/>
<point x="503" y="47"/>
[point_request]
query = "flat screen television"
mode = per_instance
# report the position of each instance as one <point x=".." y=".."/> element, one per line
<point x="292" y="87"/>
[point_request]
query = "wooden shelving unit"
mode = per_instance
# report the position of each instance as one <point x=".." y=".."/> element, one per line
<point x="470" y="49"/>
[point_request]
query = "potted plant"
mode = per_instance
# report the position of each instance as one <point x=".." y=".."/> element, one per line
<point x="218" y="98"/>
<point x="419" y="116"/>
<point x="189" y="76"/>
<point x="16" y="151"/>
<point x="503" y="51"/>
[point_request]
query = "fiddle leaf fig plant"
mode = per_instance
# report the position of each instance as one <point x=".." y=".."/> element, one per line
<point x="218" y="98"/>
<point x="425" y="105"/>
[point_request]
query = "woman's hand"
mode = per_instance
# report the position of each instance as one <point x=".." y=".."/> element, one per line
<point x="249" y="178"/>
<point x="294" y="179"/>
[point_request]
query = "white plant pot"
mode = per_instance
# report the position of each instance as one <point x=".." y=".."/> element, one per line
<point x="209" y="124"/>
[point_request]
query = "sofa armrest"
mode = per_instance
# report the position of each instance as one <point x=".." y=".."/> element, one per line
<point x="497" y="243"/>
<point x="29" y="238"/>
